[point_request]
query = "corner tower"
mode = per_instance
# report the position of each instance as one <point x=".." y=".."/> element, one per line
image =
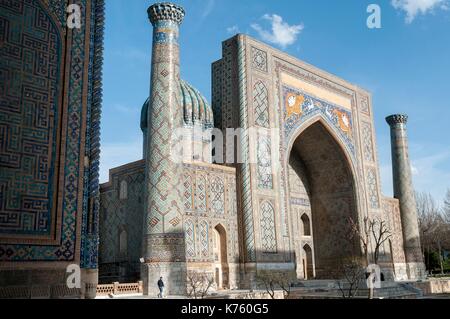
<point x="163" y="242"/>
<point x="404" y="192"/>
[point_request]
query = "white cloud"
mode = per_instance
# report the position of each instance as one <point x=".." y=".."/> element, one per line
<point x="429" y="175"/>
<point x="233" y="29"/>
<point x="208" y="7"/>
<point x="281" y="34"/>
<point x="413" y="8"/>
<point x="117" y="154"/>
<point x="125" y="109"/>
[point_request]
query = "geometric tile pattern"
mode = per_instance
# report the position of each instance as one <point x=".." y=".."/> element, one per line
<point x="367" y="141"/>
<point x="259" y="59"/>
<point x="200" y="192"/>
<point x="372" y="188"/>
<point x="261" y="105"/>
<point x="118" y="215"/>
<point x="190" y="239"/>
<point x="231" y="195"/>
<point x="204" y="238"/>
<point x="217" y="196"/>
<point x="123" y="190"/>
<point x="217" y="93"/>
<point x="244" y="174"/>
<point x="265" y="177"/>
<point x="188" y="193"/>
<point x="91" y="203"/>
<point x="268" y="232"/>
<point x="220" y="208"/>
<point x="40" y="143"/>
<point x="163" y="173"/>
<point x="365" y="106"/>
<point x="391" y="212"/>
<point x="30" y="115"/>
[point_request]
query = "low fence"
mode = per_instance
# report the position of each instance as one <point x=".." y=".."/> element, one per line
<point x="120" y="289"/>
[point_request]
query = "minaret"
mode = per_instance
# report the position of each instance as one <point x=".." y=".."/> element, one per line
<point x="404" y="192"/>
<point x="163" y="242"/>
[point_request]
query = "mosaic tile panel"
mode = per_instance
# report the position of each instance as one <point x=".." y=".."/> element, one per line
<point x="261" y="105"/>
<point x="372" y="188"/>
<point x="200" y="190"/>
<point x="117" y="214"/>
<point x="365" y="106"/>
<point x="367" y="141"/>
<point x="188" y="194"/>
<point x="190" y="239"/>
<point x="204" y="238"/>
<point x="217" y="196"/>
<point x="91" y="208"/>
<point x="299" y="107"/>
<point x="267" y="224"/>
<point x="265" y="176"/>
<point x="164" y="176"/>
<point x="259" y="59"/>
<point x="244" y="174"/>
<point x="30" y="114"/>
<point x="231" y="191"/>
<point x="82" y="99"/>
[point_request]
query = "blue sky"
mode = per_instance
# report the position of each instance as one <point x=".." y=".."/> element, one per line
<point x="405" y="64"/>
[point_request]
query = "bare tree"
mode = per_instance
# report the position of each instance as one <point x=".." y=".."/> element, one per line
<point x="427" y="214"/>
<point x="434" y="226"/>
<point x="199" y="284"/>
<point x="286" y="281"/>
<point x="268" y="281"/>
<point x="447" y="207"/>
<point x="440" y="238"/>
<point x="352" y="271"/>
<point x="373" y="231"/>
<point x="271" y="281"/>
<point x="380" y="234"/>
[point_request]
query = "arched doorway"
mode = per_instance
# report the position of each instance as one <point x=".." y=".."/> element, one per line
<point x="220" y="257"/>
<point x="324" y="172"/>
<point x="308" y="264"/>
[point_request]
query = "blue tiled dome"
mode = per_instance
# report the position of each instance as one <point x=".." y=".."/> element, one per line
<point x="195" y="108"/>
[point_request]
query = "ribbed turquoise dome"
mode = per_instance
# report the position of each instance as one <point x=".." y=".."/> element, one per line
<point x="195" y="107"/>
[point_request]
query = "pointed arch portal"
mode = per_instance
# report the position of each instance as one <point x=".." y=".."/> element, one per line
<point x="221" y="257"/>
<point x="325" y="171"/>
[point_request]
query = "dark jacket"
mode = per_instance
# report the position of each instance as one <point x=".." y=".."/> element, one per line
<point x="160" y="283"/>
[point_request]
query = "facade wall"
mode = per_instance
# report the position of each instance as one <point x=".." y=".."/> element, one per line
<point x="209" y="203"/>
<point x="259" y="202"/>
<point x="257" y="84"/>
<point x="50" y="115"/>
<point x="121" y="218"/>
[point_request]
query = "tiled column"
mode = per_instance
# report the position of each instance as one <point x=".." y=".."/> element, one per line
<point x="404" y="192"/>
<point x="163" y="243"/>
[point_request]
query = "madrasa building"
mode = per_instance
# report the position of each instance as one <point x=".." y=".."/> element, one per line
<point x="282" y="200"/>
<point x="271" y="176"/>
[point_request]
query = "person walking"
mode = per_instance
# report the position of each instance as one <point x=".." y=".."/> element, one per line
<point x="161" y="287"/>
